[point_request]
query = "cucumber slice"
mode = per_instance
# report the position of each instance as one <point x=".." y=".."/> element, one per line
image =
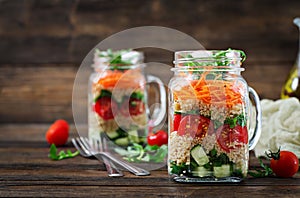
<point x="122" y="141"/>
<point x="201" y="172"/>
<point x="222" y="171"/>
<point x="199" y="155"/>
<point x="112" y="135"/>
<point x="134" y="136"/>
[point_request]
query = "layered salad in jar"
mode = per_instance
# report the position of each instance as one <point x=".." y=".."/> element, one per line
<point x="117" y="97"/>
<point x="208" y="136"/>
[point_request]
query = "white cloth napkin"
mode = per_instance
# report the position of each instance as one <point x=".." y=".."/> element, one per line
<point x="280" y="126"/>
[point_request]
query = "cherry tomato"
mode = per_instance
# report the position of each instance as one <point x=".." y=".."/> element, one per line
<point x="132" y="107"/>
<point x="62" y="123"/>
<point x="229" y="138"/>
<point x="195" y="125"/>
<point x="159" y="138"/>
<point x="58" y="133"/>
<point x="176" y="122"/>
<point x="284" y="164"/>
<point x="105" y="108"/>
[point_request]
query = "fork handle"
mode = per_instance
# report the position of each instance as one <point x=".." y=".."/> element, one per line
<point x="133" y="169"/>
<point x="112" y="170"/>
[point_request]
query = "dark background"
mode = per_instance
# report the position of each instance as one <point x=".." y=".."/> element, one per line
<point x="42" y="44"/>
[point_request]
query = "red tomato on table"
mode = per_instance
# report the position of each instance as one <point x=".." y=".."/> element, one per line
<point x="284" y="164"/>
<point x="58" y="133"/>
<point x="228" y="138"/>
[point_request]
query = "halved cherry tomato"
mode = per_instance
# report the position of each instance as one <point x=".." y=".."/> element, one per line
<point x="176" y="121"/>
<point x="132" y="107"/>
<point x="105" y="107"/>
<point x="58" y="133"/>
<point x="195" y="125"/>
<point x="284" y="163"/>
<point x="229" y="138"/>
<point x="159" y="138"/>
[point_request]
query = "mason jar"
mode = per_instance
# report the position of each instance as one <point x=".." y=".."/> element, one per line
<point x="212" y="123"/>
<point x="118" y="98"/>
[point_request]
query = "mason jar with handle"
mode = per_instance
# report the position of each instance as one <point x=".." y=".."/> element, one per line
<point x="212" y="122"/>
<point x="118" y="98"/>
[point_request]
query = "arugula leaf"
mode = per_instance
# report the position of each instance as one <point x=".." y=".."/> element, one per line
<point x="115" y="57"/>
<point x="217" y="160"/>
<point x="265" y="172"/>
<point x="138" y="153"/>
<point x="62" y="154"/>
<point x="137" y="95"/>
<point x="103" y="93"/>
<point x="218" y="59"/>
<point x="237" y="173"/>
<point x="231" y="122"/>
<point x="160" y="154"/>
<point x="53" y="151"/>
<point x="122" y="133"/>
<point x="238" y="120"/>
<point x="219" y="56"/>
<point x="151" y="148"/>
<point x="241" y="120"/>
<point x="178" y="169"/>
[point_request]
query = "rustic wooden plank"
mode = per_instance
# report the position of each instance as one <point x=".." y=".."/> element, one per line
<point x="91" y="172"/>
<point x="35" y="49"/>
<point x="46" y="49"/>
<point x="35" y="134"/>
<point x="59" y="32"/>
<point x="36" y="94"/>
<point x="56" y="190"/>
<point x="218" y="25"/>
<point x="29" y="173"/>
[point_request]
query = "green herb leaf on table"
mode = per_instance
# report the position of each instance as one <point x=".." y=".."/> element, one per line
<point x="264" y="172"/>
<point x="62" y="154"/>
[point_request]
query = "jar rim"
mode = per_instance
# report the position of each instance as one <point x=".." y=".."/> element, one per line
<point x="206" y="68"/>
<point x="228" y="57"/>
<point x="121" y="67"/>
<point x="117" y="58"/>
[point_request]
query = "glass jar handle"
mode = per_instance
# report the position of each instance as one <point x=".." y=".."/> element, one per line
<point x="257" y="129"/>
<point x="159" y="112"/>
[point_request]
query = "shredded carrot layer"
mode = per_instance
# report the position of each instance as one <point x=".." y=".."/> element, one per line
<point x="216" y="92"/>
<point x="121" y="79"/>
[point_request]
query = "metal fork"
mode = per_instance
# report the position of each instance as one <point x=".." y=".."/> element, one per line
<point x="84" y="142"/>
<point x="84" y="150"/>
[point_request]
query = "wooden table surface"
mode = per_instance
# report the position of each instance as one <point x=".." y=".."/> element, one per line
<point x="26" y="171"/>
